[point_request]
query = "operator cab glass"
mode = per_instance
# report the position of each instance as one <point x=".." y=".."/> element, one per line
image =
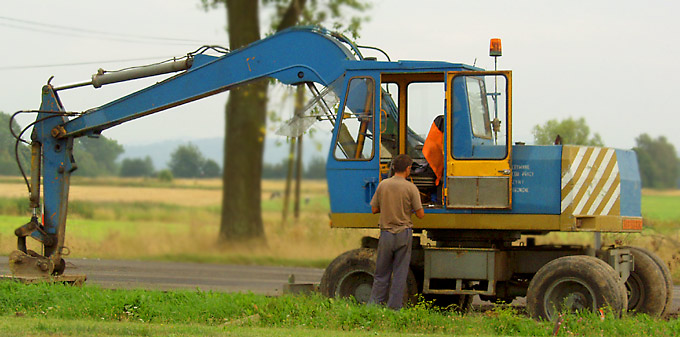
<point x="483" y="134"/>
<point x="355" y="136"/>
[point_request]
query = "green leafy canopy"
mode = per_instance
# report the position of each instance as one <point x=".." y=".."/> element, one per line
<point x="571" y="131"/>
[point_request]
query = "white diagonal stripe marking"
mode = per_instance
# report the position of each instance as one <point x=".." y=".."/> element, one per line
<point x="605" y="189"/>
<point x="573" y="167"/>
<point x="569" y="175"/>
<point x="582" y="178"/>
<point x="612" y="200"/>
<point x="596" y="180"/>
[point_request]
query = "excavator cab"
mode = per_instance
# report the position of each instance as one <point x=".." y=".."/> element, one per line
<point x="475" y="131"/>
<point x="454" y="123"/>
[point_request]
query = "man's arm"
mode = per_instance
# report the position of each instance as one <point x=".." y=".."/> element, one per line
<point x="415" y="202"/>
<point x="375" y="201"/>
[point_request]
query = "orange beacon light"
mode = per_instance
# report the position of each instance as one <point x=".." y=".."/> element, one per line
<point x="495" y="48"/>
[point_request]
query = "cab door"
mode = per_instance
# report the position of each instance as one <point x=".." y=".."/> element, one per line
<point x="353" y="167"/>
<point x="479" y="140"/>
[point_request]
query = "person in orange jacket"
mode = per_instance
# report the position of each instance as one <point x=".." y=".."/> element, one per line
<point x="433" y="149"/>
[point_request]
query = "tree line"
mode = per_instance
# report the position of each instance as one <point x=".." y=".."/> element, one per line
<point x="100" y="157"/>
<point x="657" y="158"/>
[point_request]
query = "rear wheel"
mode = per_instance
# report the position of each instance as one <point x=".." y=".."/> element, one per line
<point x="647" y="286"/>
<point x="351" y="275"/>
<point x="666" y="275"/>
<point x="574" y="283"/>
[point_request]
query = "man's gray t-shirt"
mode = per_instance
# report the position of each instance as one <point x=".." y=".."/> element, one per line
<point x="396" y="198"/>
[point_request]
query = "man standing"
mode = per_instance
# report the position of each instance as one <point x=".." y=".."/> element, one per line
<point x="395" y="199"/>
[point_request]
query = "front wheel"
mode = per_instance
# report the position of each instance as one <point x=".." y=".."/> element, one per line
<point x="351" y="275"/>
<point x="574" y="283"/>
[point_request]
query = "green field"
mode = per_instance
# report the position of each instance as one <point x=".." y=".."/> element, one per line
<point x="661" y="208"/>
<point x="109" y="219"/>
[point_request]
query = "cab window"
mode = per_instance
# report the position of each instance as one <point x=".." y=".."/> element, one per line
<point x="479" y="109"/>
<point x="480" y="117"/>
<point x="355" y="134"/>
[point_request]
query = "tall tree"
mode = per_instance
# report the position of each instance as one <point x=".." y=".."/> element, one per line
<point x="244" y="136"/>
<point x="246" y="107"/>
<point x="570" y="131"/>
<point x="658" y="161"/>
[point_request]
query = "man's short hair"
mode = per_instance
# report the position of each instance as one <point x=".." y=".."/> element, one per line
<point x="401" y="162"/>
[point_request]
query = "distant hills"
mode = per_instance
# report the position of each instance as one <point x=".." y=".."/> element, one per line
<point x="276" y="149"/>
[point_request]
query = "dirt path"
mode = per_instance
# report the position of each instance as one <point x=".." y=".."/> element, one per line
<point x="122" y="274"/>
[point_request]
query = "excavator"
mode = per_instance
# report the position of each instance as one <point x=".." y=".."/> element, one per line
<point x="486" y="199"/>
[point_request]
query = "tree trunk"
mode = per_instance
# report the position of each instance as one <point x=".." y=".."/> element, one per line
<point x="245" y="130"/>
<point x="244" y="137"/>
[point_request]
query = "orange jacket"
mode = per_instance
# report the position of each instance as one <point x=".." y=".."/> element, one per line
<point x="433" y="150"/>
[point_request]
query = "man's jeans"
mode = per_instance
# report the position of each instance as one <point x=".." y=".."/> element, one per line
<point x="394" y="257"/>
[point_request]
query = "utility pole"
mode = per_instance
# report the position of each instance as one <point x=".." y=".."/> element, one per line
<point x="295" y="156"/>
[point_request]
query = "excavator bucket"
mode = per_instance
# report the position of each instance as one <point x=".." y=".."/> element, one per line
<point x="30" y="264"/>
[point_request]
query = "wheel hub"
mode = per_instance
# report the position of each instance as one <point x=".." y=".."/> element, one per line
<point x="570" y="294"/>
<point x="358" y="285"/>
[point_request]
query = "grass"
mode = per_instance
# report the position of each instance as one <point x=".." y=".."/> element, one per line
<point x="21" y="326"/>
<point x="315" y="245"/>
<point x="53" y="309"/>
<point x="661" y="207"/>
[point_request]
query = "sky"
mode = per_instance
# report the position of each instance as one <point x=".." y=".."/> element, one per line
<point x="610" y="62"/>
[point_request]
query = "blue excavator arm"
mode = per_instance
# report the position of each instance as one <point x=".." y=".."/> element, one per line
<point x="293" y="56"/>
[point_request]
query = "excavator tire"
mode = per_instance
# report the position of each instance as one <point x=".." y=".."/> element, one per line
<point x="576" y="282"/>
<point x="351" y="275"/>
<point x="666" y="275"/>
<point x="648" y="284"/>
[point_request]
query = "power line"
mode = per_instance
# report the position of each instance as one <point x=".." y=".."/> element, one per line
<point x="33" y="29"/>
<point x="77" y="63"/>
<point x="89" y="33"/>
<point x="80" y="30"/>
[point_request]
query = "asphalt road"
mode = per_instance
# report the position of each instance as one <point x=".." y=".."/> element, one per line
<point x="128" y="274"/>
<point x="124" y="274"/>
